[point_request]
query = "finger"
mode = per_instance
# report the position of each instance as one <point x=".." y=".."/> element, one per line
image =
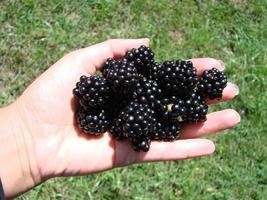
<point x="162" y="151"/>
<point x="206" y="63"/>
<point x="229" y="92"/>
<point x="216" y="121"/>
<point x="97" y="54"/>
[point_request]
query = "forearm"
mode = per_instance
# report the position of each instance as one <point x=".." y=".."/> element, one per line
<point x="15" y="169"/>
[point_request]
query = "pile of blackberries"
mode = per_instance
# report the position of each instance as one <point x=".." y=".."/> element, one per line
<point x="138" y="99"/>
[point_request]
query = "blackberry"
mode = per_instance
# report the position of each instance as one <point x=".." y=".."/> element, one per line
<point x="92" y="91"/>
<point x="196" y="108"/>
<point x="93" y="122"/>
<point x="110" y="62"/>
<point x="122" y="76"/>
<point x="140" y="100"/>
<point x="166" y="131"/>
<point x="116" y="129"/>
<point x="171" y="108"/>
<point x="178" y="77"/>
<point x="147" y="91"/>
<point x="136" y="119"/>
<point x="135" y="122"/>
<point x="142" y="58"/>
<point x="141" y="143"/>
<point x="156" y="71"/>
<point x="212" y="83"/>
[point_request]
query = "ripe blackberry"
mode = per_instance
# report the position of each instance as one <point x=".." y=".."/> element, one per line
<point x="147" y="91"/>
<point x="92" y="91"/>
<point x="142" y="58"/>
<point x="166" y="131"/>
<point x="137" y="120"/>
<point x="141" y="143"/>
<point x="140" y="100"/>
<point x="116" y="129"/>
<point x="212" y="83"/>
<point x="196" y="108"/>
<point x="93" y="122"/>
<point x="170" y="108"/>
<point x="110" y="62"/>
<point x="134" y="122"/>
<point x="156" y="71"/>
<point x="122" y="76"/>
<point x="178" y="77"/>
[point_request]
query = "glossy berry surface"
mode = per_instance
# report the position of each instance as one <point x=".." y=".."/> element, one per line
<point x="140" y="144"/>
<point x="147" y="91"/>
<point x="110" y="63"/>
<point x="166" y="131"/>
<point x="93" y="122"/>
<point x="139" y="100"/>
<point x="196" y="108"/>
<point x="138" y="120"/>
<point x="122" y="76"/>
<point x="156" y="71"/>
<point x="92" y="91"/>
<point x="178" y="77"/>
<point x="143" y="57"/>
<point x="212" y="83"/>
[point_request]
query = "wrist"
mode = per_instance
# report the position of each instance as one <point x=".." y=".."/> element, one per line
<point x="17" y="168"/>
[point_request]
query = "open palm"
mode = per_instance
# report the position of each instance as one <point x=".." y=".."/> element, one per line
<point x="58" y="148"/>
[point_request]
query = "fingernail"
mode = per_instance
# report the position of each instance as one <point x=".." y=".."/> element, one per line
<point x="238" y="117"/>
<point x="233" y="87"/>
<point x="222" y="65"/>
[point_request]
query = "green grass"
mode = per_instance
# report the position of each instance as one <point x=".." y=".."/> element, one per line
<point x="35" y="34"/>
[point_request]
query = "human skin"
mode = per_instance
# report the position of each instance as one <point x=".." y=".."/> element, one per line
<point x="40" y="138"/>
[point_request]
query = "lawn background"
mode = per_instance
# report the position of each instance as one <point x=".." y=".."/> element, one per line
<point x="35" y="34"/>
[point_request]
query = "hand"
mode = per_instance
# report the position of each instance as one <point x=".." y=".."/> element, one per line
<point x="54" y="145"/>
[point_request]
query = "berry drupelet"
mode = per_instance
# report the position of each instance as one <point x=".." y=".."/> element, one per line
<point x="147" y="91"/>
<point x="135" y="122"/>
<point x="212" y="83"/>
<point x="93" y="122"/>
<point x="110" y="63"/>
<point x="156" y="71"/>
<point x="196" y="108"/>
<point x="138" y="120"/>
<point x="140" y="143"/>
<point x="116" y="129"/>
<point x="122" y="76"/>
<point x="142" y="58"/>
<point x="92" y="91"/>
<point x="166" y="131"/>
<point x="178" y="77"/>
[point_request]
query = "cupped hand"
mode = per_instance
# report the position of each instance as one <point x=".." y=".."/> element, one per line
<point x="56" y="147"/>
